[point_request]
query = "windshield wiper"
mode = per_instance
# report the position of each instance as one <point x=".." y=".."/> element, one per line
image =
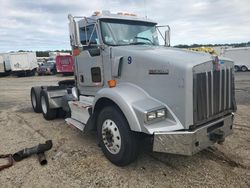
<point x="144" y="38"/>
<point x="137" y="43"/>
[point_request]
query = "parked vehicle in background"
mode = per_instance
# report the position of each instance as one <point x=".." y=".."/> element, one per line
<point x="3" y="71"/>
<point x="20" y="63"/>
<point x="1" y="64"/>
<point x="240" y="56"/>
<point x="64" y="64"/>
<point x="47" y="68"/>
<point x="52" y="55"/>
<point x="128" y="87"/>
<point x="41" y="60"/>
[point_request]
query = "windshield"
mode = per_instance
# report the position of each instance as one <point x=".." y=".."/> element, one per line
<point x="48" y="64"/>
<point x="51" y="62"/>
<point x="126" y="32"/>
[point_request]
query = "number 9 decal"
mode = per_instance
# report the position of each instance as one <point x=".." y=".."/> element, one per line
<point x="129" y="59"/>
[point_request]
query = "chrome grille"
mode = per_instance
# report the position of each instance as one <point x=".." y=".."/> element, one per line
<point x="213" y="94"/>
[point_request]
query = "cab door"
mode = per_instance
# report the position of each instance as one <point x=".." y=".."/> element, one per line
<point x="89" y="62"/>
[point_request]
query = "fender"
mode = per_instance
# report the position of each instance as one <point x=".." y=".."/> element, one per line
<point x="134" y="102"/>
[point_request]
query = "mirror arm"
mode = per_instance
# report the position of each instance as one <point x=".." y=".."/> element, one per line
<point x="167" y="36"/>
<point x="160" y="33"/>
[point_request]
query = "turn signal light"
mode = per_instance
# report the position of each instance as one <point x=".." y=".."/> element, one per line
<point x="112" y="83"/>
<point x="76" y="52"/>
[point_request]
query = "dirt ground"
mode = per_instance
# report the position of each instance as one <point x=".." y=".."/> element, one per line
<point x="76" y="160"/>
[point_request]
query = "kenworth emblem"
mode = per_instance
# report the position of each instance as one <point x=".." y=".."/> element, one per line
<point x="216" y="63"/>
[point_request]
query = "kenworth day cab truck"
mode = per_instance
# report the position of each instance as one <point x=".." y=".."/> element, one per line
<point x="127" y="86"/>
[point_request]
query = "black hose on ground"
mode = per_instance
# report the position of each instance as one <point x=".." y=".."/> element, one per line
<point x="42" y="159"/>
<point x="41" y="148"/>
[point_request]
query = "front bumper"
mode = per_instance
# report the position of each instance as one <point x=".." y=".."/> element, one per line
<point x="191" y="142"/>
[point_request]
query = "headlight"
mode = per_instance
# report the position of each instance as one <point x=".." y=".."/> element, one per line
<point x="151" y="116"/>
<point x="161" y="113"/>
<point x="156" y="115"/>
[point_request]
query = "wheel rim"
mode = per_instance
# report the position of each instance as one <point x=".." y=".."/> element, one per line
<point x="244" y="69"/>
<point x="33" y="98"/>
<point x="111" y="136"/>
<point x="43" y="104"/>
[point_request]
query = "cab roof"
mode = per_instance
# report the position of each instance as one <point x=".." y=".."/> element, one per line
<point x="108" y="15"/>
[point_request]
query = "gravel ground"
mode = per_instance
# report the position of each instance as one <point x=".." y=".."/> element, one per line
<point x="76" y="160"/>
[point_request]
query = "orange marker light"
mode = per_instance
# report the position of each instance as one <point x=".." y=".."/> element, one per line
<point x="76" y="52"/>
<point x="112" y="83"/>
<point x="97" y="13"/>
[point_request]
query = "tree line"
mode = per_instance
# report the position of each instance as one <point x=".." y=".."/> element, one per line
<point x="236" y="45"/>
<point x="45" y="53"/>
<point x="243" y="44"/>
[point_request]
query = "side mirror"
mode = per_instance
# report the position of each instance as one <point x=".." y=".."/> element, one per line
<point x="167" y="37"/>
<point x="74" y="32"/>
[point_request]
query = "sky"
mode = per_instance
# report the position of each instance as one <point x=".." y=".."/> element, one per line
<point x="43" y="25"/>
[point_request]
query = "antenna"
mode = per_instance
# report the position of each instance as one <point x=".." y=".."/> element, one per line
<point x="145" y="8"/>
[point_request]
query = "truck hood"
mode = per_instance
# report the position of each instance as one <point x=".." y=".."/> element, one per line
<point x="163" y="54"/>
<point x="165" y="73"/>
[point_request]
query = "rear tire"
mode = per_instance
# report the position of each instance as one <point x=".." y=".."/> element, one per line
<point x="236" y="68"/>
<point x="244" y="69"/>
<point x="119" y="144"/>
<point x="35" y="101"/>
<point x="48" y="113"/>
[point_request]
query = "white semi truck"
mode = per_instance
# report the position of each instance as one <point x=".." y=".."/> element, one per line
<point x="240" y="56"/>
<point x="128" y="87"/>
<point x="20" y="63"/>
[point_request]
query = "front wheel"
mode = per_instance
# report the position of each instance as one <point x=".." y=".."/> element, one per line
<point x="48" y="113"/>
<point x="119" y="144"/>
<point x="244" y="69"/>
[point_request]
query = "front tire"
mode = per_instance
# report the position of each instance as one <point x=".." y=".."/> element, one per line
<point x="48" y="113"/>
<point x="119" y="144"/>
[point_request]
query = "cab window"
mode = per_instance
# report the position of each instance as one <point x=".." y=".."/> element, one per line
<point x="89" y="35"/>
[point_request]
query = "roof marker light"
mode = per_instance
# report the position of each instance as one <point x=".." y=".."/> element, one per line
<point x="97" y="13"/>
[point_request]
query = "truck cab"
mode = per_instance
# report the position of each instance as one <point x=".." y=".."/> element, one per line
<point x="127" y="85"/>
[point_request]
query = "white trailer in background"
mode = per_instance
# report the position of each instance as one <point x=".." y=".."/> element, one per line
<point x="21" y="63"/>
<point x="240" y="56"/>
<point x="1" y="64"/>
<point x="4" y="69"/>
